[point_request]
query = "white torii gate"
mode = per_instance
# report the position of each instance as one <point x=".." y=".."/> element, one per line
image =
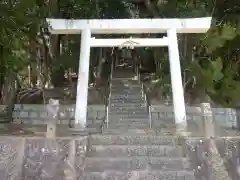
<point x="129" y="26"/>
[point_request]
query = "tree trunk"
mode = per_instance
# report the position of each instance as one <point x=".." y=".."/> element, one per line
<point x="2" y="70"/>
<point x="9" y="92"/>
<point x="101" y="60"/>
<point x="33" y="74"/>
<point x="151" y="8"/>
<point x="55" y="47"/>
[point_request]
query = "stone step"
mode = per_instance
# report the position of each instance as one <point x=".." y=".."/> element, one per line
<point x="124" y="73"/>
<point x="140" y="175"/>
<point x="141" y="132"/>
<point x="79" y="132"/>
<point x="119" y="111"/>
<point x="126" y="105"/>
<point x="133" y="139"/>
<point x="125" y="81"/>
<point x="123" y="110"/>
<point x="128" y="131"/>
<point x="126" y="85"/>
<point x="126" y="94"/>
<point x="117" y="127"/>
<point x="128" y="126"/>
<point x="126" y="91"/>
<point x="120" y="101"/>
<point x="129" y="112"/>
<point x="98" y="164"/>
<point x="120" y="123"/>
<point x="135" y="150"/>
<point x="128" y="116"/>
<point x="96" y="121"/>
<point x="127" y="109"/>
<point x="125" y="122"/>
<point x="157" y="123"/>
<point x="129" y="101"/>
<point x="123" y="94"/>
<point x="135" y="97"/>
<point x="95" y="125"/>
<point x="128" y="121"/>
<point x="133" y="108"/>
<point x="123" y="97"/>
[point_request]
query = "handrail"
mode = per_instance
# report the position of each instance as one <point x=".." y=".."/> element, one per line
<point x="145" y="97"/>
<point x="149" y="108"/>
<point x="137" y="73"/>
<point x="108" y="96"/>
<point x="110" y="87"/>
<point x="150" y="116"/>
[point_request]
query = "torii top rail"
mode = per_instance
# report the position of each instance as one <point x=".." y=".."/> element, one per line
<point x="130" y="26"/>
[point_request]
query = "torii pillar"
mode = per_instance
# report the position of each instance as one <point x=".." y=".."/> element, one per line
<point x="83" y="77"/>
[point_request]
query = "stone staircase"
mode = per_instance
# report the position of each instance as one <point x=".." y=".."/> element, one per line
<point x="128" y="108"/>
<point x="127" y="149"/>
<point x="136" y="157"/>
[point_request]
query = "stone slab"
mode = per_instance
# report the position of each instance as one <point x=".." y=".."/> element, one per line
<point x="41" y="158"/>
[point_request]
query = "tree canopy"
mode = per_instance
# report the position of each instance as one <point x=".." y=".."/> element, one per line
<point x="33" y="59"/>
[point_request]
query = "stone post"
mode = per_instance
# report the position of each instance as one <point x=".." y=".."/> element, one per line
<point x="52" y="108"/>
<point x="20" y="159"/>
<point x="71" y="173"/>
<point x="207" y="123"/>
<point x="215" y="163"/>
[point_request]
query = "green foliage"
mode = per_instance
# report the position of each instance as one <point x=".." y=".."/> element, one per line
<point x="19" y="21"/>
<point x="217" y="37"/>
<point x="220" y="71"/>
<point x="214" y="70"/>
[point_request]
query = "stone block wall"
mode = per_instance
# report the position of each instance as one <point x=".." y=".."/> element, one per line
<point x="37" y="114"/>
<point x="225" y="117"/>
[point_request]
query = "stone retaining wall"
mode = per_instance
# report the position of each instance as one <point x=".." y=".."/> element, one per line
<point x="41" y="158"/>
<point x="38" y="114"/>
<point x="225" y="117"/>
